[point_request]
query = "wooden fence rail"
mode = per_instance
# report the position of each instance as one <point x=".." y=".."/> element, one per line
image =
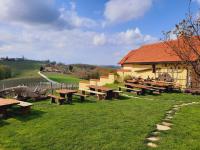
<point x="40" y="85"/>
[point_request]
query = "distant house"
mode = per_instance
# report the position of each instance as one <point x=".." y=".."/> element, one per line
<point x="154" y="60"/>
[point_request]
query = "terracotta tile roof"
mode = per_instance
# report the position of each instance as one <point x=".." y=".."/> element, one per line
<point x="158" y="52"/>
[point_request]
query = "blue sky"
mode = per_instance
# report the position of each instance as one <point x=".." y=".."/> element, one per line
<point x="85" y="31"/>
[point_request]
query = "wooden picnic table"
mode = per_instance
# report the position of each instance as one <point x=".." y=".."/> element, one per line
<point x="106" y="90"/>
<point x="69" y="93"/>
<point x="144" y="88"/>
<point x="5" y="104"/>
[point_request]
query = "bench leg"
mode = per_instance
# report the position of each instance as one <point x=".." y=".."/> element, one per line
<point x="60" y="101"/>
<point x="101" y="97"/>
<point x="69" y="98"/>
<point x="53" y="100"/>
<point x="82" y="98"/>
<point x="25" y="110"/>
<point x="116" y="95"/>
<point x="3" y="112"/>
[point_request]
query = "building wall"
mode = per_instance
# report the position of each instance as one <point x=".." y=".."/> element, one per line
<point x="177" y="71"/>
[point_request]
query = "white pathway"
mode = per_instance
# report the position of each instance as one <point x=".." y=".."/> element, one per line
<point x="45" y="77"/>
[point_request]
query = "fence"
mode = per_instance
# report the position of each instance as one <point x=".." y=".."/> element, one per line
<point x="36" y="83"/>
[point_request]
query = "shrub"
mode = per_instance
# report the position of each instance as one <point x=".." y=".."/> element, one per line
<point x="5" y="72"/>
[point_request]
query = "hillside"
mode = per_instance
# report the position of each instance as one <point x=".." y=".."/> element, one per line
<point x="26" y="68"/>
<point x="81" y="71"/>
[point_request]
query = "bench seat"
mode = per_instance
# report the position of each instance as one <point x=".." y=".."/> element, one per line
<point x="56" y="99"/>
<point x="99" y="95"/>
<point x="25" y="107"/>
<point x="82" y="96"/>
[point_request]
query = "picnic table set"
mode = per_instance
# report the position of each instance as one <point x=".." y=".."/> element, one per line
<point x="153" y="87"/>
<point x="5" y="104"/>
<point x="66" y="95"/>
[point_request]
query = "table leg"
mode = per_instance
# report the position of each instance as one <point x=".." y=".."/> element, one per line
<point x="3" y="112"/>
<point x="69" y="98"/>
<point x="62" y="95"/>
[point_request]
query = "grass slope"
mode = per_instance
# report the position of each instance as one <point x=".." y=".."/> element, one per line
<point x="27" y="68"/>
<point x="117" y="124"/>
<point x="62" y="78"/>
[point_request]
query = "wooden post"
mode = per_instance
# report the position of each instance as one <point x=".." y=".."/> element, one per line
<point x="51" y="88"/>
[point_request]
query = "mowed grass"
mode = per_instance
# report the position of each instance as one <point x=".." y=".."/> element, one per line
<point x="116" y="124"/>
<point x="62" y="78"/>
<point x="185" y="134"/>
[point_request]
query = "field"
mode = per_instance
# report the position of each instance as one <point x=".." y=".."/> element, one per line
<point x="62" y="78"/>
<point x="117" y="124"/>
<point x="27" y="68"/>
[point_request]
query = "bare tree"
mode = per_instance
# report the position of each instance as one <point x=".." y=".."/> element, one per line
<point x="187" y="41"/>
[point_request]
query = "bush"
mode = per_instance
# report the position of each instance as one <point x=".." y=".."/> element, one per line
<point x="5" y="72"/>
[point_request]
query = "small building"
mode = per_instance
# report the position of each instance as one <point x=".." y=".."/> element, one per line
<point x="154" y="61"/>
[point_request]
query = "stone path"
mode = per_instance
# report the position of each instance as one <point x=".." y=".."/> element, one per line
<point x="129" y="96"/>
<point x="45" y="77"/>
<point x="165" y="125"/>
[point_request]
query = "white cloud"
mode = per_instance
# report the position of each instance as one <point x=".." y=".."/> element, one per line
<point x="34" y="32"/>
<point x="31" y="11"/>
<point x="198" y="1"/>
<point x="99" y="39"/>
<point x="42" y="13"/>
<point x="124" y="10"/>
<point x="70" y="45"/>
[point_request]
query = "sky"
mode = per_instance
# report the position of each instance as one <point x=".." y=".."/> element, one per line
<point x="96" y="32"/>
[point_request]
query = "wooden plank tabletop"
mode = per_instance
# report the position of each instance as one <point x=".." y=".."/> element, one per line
<point x="8" y="102"/>
<point x="160" y="84"/>
<point x="66" y="91"/>
<point x="101" y="88"/>
<point x="139" y="86"/>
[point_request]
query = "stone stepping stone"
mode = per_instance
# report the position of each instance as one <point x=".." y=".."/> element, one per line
<point x="169" y="117"/>
<point x="162" y="127"/>
<point x="153" y="139"/>
<point x="170" y="112"/>
<point x="167" y="120"/>
<point x="155" y="133"/>
<point x="152" y="145"/>
<point x="186" y="104"/>
<point x="176" y="108"/>
<point x="167" y="124"/>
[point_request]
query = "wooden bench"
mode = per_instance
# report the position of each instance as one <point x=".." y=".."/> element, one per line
<point x="156" y="92"/>
<point x="135" y="91"/>
<point x="56" y="99"/>
<point x="161" y="89"/>
<point x="99" y="95"/>
<point x="82" y="96"/>
<point x="25" y="107"/>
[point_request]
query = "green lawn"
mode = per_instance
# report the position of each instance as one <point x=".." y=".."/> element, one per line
<point x="185" y="134"/>
<point x="62" y="78"/>
<point x="116" y="124"/>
